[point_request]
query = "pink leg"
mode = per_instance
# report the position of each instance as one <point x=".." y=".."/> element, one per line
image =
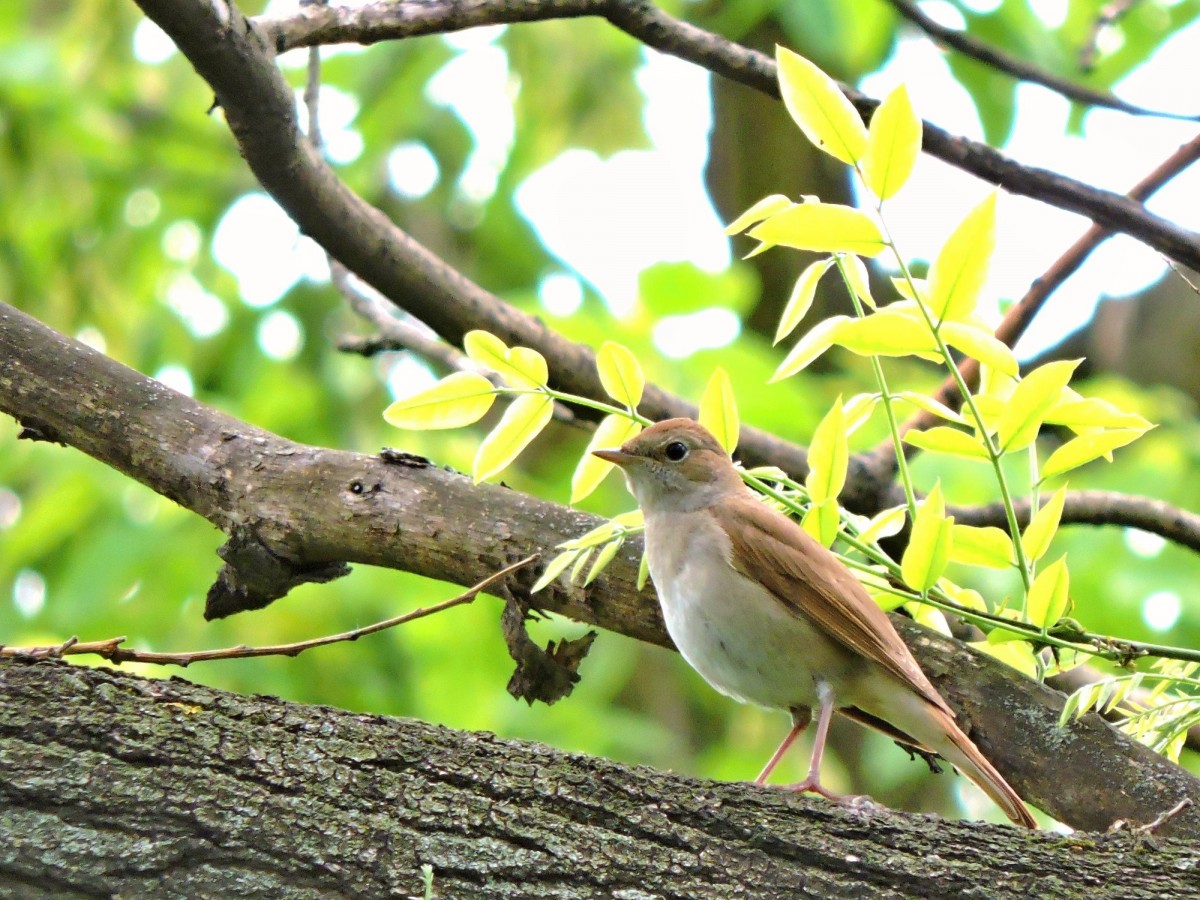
<point x="801" y="716"/>
<point x="812" y="783"/>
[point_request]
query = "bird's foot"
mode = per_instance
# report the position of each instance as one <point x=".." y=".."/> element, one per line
<point x="811" y="785"/>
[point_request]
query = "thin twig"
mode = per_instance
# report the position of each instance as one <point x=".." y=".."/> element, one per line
<point x="1020" y="69"/>
<point x="112" y="650"/>
<point x="1107" y="16"/>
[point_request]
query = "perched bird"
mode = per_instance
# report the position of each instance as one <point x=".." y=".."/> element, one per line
<point x="767" y="615"/>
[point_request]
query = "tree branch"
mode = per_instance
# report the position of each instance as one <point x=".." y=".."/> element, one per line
<point x="311" y="509"/>
<point x="408" y="18"/>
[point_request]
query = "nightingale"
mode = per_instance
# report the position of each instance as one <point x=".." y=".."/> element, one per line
<point x="767" y="615"/>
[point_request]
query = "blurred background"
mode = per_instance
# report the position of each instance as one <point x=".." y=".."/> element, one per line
<point x="584" y="179"/>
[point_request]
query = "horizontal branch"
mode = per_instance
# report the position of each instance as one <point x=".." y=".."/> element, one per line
<point x="310" y="509"/>
<point x="374" y="22"/>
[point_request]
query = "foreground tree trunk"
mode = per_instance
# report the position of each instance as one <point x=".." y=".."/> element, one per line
<point x="115" y="785"/>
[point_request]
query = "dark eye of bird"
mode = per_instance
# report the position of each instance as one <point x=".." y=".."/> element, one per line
<point x="676" y="451"/>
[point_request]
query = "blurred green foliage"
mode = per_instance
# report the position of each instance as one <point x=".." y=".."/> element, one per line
<point x="115" y="182"/>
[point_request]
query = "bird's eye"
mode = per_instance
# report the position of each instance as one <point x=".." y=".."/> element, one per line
<point x="676" y="451"/>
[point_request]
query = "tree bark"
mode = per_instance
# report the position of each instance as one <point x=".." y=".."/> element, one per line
<point x="116" y="785"/>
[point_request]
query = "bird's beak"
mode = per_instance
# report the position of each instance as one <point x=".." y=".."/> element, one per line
<point x="617" y="456"/>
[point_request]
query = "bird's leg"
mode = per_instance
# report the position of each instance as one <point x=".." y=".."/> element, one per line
<point x="812" y="783"/>
<point x="801" y="716"/>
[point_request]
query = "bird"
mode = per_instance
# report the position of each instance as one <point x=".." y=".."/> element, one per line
<point x="769" y="616"/>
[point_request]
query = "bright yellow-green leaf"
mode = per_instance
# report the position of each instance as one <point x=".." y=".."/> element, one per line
<point x="519" y="366"/>
<point x="1087" y="447"/>
<point x="944" y="439"/>
<point x="999" y="634"/>
<point x="822" y="521"/>
<point x="603" y="558"/>
<point x="762" y="247"/>
<point x="823" y="228"/>
<point x="957" y="275"/>
<point x="980" y="345"/>
<point x="457" y="400"/>
<point x="554" y="568"/>
<point x="885" y="524"/>
<point x="1079" y="414"/>
<point x="613" y="431"/>
<point x="620" y="373"/>
<point x="905" y="290"/>
<point x="931" y="405"/>
<point x="819" y="107"/>
<point x="860" y="282"/>
<point x="718" y="410"/>
<point x="988" y="547"/>
<point x="858" y="410"/>
<point x="929" y="545"/>
<point x="1048" y="595"/>
<point x="577" y="570"/>
<point x="991" y="409"/>
<point x="1034" y="395"/>
<point x="929" y="616"/>
<point x="1017" y="655"/>
<point x="802" y="297"/>
<point x="643" y="572"/>
<point x="965" y="597"/>
<point x="893" y="145"/>
<point x="1042" y="527"/>
<point x="815" y="341"/>
<point x="885" y="334"/>
<point x="522" y="421"/>
<point x="764" y="208"/>
<point x="828" y="456"/>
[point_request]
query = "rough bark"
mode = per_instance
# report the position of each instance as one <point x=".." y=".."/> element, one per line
<point x="121" y="786"/>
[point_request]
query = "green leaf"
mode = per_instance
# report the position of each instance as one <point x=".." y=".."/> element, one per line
<point x="980" y="345"/>
<point x="819" y="107"/>
<point x="884" y="524"/>
<point x="821" y="520"/>
<point x="620" y="373"/>
<point x="823" y="228"/>
<point x="1079" y="413"/>
<point x="1048" y="595"/>
<point x="522" y="421"/>
<point x="858" y="410"/>
<point x="643" y="572"/>
<point x="519" y="366"/>
<point x="952" y="441"/>
<point x="763" y="209"/>
<point x="855" y="273"/>
<point x="554" y="568"/>
<point x="1087" y="447"/>
<point x="1042" y="527"/>
<point x="828" y="456"/>
<point x="1027" y="407"/>
<point x="988" y="547"/>
<point x="929" y="545"/>
<point x="718" y="410"/>
<point x="1017" y="654"/>
<point x="957" y="275"/>
<point x="603" y="558"/>
<point x="931" y="405"/>
<point x="802" y="297"/>
<point x="815" y="341"/>
<point x="893" y="145"/>
<point x="613" y="431"/>
<point x="885" y="333"/>
<point x="457" y="400"/>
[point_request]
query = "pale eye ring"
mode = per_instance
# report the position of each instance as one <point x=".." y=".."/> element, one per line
<point x="676" y="451"/>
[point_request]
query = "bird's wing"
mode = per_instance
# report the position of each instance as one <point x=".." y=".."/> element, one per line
<point x="812" y="582"/>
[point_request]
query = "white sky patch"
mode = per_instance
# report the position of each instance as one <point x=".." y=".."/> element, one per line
<point x="412" y="170"/>
<point x="29" y="592"/>
<point x="202" y="313"/>
<point x="1144" y="543"/>
<point x="10" y="507"/>
<point x="409" y="375"/>
<point x="561" y="293"/>
<point x="181" y="241"/>
<point x="678" y="337"/>
<point x="1161" y="610"/>
<point x="151" y="44"/>
<point x="92" y="337"/>
<point x="177" y="378"/>
<point x="944" y="13"/>
<point x="262" y="248"/>
<point x="336" y="112"/>
<point x="280" y="335"/>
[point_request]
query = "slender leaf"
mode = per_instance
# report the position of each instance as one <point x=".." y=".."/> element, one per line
<point x="519" y="366"/>
<point x="554" y="568"/>
<point x="801" y="298"/>
<point x="884" y="524"/>
<point x="815" y="341"/>
<point x="952" y="441"/>
<point x="606" y="555"/>
<point x="613" y="431"/>
<point x="980" y="345"/>
<point x="929" y="545"/>
<point x="1079" y="414"/>
<point x="1087" y="447"/>
<point x="1042" y="527"/>
<point x="990" y="547"/>
<point x="931" y="405"/>
<point x="457" y="400"/>
<point x="885" y="334"/>
<point x="893" y="145"/>
<point x="1048" y="595"/>
<point x="957" y="275"/>
<point x="822" y="228"/>
<point x="1030" y="401"/>
<point x="763" y="209"/>
<point x="718" y="410"/>
<point x="860" y="282"/>
<point x="819" y="107"/>
<point x="822" y="521"/>
<point x="620" y="373"/>
<point x="828" y="456"/>
<point x="522" y="421"/>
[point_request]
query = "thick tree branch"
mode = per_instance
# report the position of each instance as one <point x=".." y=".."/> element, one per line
<point x="284" y="800"/>
<point x="641" y="19"/>
<point x="311" y="509"/>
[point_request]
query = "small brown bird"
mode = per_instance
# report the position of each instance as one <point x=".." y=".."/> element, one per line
<point x="767" y="615"/>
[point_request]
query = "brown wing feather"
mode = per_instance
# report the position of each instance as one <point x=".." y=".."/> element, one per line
<point x="809" y="580"/>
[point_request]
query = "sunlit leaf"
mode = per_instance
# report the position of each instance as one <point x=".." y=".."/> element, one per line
<point x="801" y="298"/>
<point x="828" y="456"/>
<point x="860" y="282"/>
<point x="893" y="145"/>
<point x="819" y="107"/>
<point x="457" y="400"/>
<point x="603" y="558"/>
<point x="858" y="410"/>
<point x="822" y="228"/>
<point x="613" y="431"/>
<point x="980" y="345"/>
<point x="988" y="547"/>
<point x="822" y="520"/>
<point x="1042" y="527"/>
<point x="620" y="373"/>
<point x="764" y="208"/>
<point x="519" y="366"/>
<point x="884" y="524"/>
<point x="931" y="405"/>
<point x="1018" y="655"/>
<point x="929" y="616"/>
<point x="1087" y="447"/>
<point x="554" y="568"/>
<point x="718" y="410"/>
<point x="643" y="572"/>
<point x="1034" y="395"/>
<point x="522" y="421"/>
<point x="885" y="334"/>
<point x="1048" y="594"/>
<point x="929" y="544"/>
<point x="1080" y="413"/>
<point x="944" y="439"/>
<point x="957" y="275"/>
<point x="815" y="341"/>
